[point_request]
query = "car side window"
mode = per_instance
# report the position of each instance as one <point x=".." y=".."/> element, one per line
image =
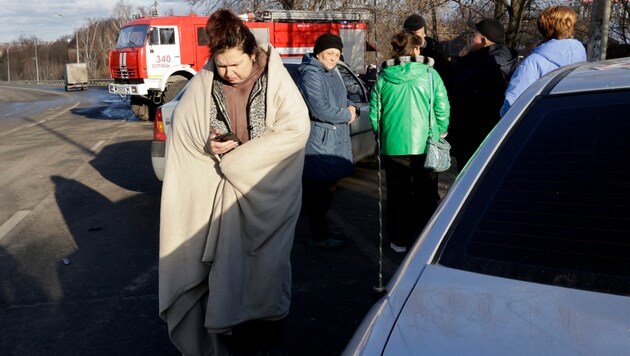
<point x="202" y="37"/>
<point x="552" y="207"/>
<point x="154" y="36"/>
<point x="355" y="90"/>
<point x="167" y="36"/>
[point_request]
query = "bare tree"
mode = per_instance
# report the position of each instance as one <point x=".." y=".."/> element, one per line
<point x="447" y="20"/>
<point x="515" y="9"/>
<point x="121" y="13"/>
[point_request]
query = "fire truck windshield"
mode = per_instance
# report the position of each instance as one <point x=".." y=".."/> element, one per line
<point x="132" y="36"/>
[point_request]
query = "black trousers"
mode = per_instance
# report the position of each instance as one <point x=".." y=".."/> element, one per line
<point x="317" y="196"/>
<point x="412" y="196"/>
<point x="259" y="337"/>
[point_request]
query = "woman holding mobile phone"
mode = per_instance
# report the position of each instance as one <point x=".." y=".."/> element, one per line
<point x="230" y="203"/>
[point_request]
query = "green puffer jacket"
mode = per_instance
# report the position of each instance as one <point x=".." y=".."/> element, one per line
<point x="400" y="101"/>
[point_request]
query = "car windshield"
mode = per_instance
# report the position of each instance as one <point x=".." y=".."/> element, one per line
<point x="132" y="36"/>
<point x="553" y="205"/>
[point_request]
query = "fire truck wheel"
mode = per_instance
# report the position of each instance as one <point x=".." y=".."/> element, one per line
<point x="172" y="89"/>
<point x="140" y="108"/>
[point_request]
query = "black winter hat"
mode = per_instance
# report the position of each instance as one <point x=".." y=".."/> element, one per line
<point x="491" y="29"/>
<point x="325" y="41"/>
<point x="414" y="22"/>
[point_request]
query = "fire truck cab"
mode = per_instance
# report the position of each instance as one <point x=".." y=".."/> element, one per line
<point x="155" y="56"/>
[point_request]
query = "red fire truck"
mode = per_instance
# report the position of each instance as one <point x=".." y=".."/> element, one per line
<point x="155" y="56"/>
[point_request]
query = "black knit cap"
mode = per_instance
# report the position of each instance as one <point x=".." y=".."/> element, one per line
<point x="414" y="23"/>
<point x="326" y="41"/>
<point x="491" y="29"/>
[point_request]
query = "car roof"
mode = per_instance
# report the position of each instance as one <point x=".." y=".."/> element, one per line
<point x="593" y="76"/>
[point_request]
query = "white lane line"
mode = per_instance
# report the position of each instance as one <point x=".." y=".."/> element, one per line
<point x="365" y="246"/>
<point x="97" y="146"/>
<point x="12" y="222"/>
<point x="39" y="122"/>
<point x="143" y="279"/>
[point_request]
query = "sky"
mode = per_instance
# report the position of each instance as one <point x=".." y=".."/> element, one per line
<point x="40" y="18"/>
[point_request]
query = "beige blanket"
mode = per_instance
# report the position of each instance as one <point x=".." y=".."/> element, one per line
<point x="227" y="226"/>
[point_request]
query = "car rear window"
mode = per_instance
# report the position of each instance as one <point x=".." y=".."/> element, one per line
<point x="553" y="206"/>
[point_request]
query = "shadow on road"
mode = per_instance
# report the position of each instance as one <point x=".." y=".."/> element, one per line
<point x="101" y="298"/>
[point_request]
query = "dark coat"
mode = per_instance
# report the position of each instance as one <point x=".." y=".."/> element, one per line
<point x="477" y="95"/>
<point x="329" y="149"/>
<point x="442" y="65"/>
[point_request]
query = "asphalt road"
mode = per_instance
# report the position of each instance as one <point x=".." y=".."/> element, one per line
<point x="79" y="215"/>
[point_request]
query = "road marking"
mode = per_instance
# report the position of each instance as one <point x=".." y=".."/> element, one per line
<point x="40" y="121"/>
<point x="12" y="222"/>
<point x="365" y="246"/>
<point x="143" y="279"/>
<point x="97" y="146"/>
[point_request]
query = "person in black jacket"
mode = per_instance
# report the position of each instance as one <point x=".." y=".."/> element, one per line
<point x="416" y="24"/>
<point x="482" y="71"/>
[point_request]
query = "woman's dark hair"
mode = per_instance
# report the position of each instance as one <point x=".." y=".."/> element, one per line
<point x="403" y="44"/>
<point x="226" y="31"/>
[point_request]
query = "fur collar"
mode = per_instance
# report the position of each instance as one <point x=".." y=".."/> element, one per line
<point x="404" y="59"/>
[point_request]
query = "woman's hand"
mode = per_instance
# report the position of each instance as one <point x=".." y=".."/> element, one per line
<point x="353" y="114"/>
<point x="219" y="147"/>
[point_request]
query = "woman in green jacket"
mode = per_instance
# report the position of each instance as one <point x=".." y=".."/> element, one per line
<point x="400" y="109"/>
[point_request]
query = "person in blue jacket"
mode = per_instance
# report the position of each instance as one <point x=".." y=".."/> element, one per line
<point x="556" y="25"/>
<point x="328" y="149"/>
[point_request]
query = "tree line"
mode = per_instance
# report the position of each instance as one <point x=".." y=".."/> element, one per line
<point x="29" y="58"/>
<point x="448" y="21"/>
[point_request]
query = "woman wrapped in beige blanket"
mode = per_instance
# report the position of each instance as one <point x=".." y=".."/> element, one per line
<point x="229" y="207"/>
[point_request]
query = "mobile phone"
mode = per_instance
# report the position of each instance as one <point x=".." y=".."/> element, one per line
<point x="226" y="137"/>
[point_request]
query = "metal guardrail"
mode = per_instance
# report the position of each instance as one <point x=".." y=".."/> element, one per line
<point x="92" y="82"/>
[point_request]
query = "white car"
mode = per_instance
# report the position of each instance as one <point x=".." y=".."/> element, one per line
<point x="362" y="137"/>
<point x="529" y="252"/>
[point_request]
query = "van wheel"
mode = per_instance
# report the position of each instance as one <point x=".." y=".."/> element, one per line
<point x="172" y="89"/>
<point x="140" y="108"/>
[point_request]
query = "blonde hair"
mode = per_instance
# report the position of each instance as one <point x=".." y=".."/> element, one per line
<point x="557" y="22"/>
<point x="403" y="44"/>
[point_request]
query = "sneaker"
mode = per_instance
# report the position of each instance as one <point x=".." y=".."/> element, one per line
<point x="329" y="243"/>
<point x="399" y="249"/>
